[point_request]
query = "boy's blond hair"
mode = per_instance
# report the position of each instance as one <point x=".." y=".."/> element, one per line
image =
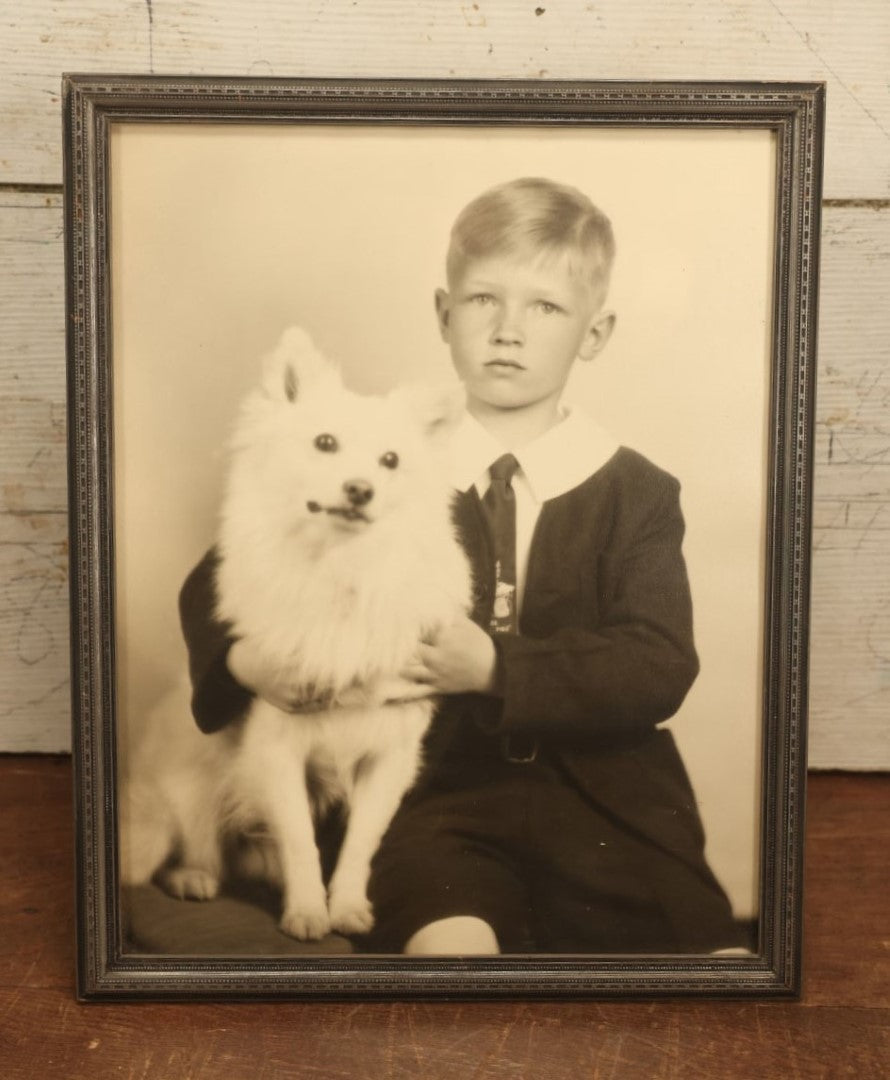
<point x="537" y="217"/>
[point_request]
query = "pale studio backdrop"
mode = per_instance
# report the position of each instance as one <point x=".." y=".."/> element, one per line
<point x="223" y="236"/>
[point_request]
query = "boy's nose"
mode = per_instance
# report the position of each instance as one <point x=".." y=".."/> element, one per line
<point x="508" y="329"/>
<point x="359" y="492"/>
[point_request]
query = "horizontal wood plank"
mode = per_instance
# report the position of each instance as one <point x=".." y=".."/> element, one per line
<point x="34" y="687"/>
<point x="845" y="45"/>
<point x="839" y="1028"/>
<point x="850" y="696"/>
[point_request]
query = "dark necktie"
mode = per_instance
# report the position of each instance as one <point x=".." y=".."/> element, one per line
<point x="499" y="504"/>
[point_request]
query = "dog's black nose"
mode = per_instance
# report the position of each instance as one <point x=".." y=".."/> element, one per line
<point x="359" y="492"/>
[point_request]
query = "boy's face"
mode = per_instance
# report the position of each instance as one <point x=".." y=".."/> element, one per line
<point x="515" y="327"/>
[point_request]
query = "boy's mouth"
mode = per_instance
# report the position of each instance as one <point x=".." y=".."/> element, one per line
<point x="501" y="364"/>
<point x="347" y="513"/>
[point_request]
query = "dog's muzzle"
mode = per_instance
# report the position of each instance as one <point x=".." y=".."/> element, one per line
<point x="358" y="493"/>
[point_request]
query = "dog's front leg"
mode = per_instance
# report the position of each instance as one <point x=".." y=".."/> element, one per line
<point x="288" y="813"/>
<point x="380" y="784"/>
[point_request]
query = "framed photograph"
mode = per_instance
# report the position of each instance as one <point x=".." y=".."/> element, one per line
<point x="440" y="483"/>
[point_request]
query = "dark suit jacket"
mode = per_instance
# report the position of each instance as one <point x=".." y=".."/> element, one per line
<point x="605" y="653"/>
<point x="605" y="644"/>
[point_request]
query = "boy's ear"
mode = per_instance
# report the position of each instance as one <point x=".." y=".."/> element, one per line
<point x="294" y="366"/>
<point x="443" y="313"/>
<point x="597" y="335"/>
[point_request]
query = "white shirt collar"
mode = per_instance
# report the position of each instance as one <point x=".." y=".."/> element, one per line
<point x="557" y="461"/>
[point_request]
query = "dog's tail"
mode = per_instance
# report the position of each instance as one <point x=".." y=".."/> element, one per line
<point x="256" y="857"/>
<point x="147" y="832"/>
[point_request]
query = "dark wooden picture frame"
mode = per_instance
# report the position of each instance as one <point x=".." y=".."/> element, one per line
<point x="789" y="118"/>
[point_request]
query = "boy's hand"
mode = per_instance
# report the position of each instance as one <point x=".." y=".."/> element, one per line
<point x="252" y="669"/>
<point x="460" y="658"/>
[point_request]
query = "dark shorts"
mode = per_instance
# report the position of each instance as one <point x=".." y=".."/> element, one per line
<point x="526" y="849"/>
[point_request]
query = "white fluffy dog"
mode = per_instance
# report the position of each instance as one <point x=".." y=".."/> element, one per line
<point x="338" y="556"/>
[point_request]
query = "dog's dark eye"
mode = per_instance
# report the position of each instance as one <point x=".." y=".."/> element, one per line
<point x="390" y="460"/>
<point x="327" y="443"/>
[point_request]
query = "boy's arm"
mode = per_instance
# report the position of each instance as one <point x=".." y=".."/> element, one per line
<point x="228" y="672"/>
<point x="636" y="668"/>
<point x="217" y="698"/>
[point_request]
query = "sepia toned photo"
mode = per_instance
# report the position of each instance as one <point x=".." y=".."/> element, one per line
<point x="441" y="457"/>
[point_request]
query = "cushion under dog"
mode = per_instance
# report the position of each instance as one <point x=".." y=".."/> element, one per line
<point x="241" y="921"/>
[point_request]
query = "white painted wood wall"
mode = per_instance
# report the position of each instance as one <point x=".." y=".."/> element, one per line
<point x="846" y="43"/>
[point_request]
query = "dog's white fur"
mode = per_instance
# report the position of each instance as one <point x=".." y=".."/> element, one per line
<point x="338" y="596"/>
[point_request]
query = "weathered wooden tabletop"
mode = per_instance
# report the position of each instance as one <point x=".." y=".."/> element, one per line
<point x="841" y="1027"/>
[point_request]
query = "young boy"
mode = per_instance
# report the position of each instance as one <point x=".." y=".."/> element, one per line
<point x="553" y="814"/>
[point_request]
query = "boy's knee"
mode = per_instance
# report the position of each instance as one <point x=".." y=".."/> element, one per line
<point x="462" y="935"/>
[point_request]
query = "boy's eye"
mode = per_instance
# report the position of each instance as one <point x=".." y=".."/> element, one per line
<point x="326" y="443"/>
<point x="390" y="460"/>
<point x="547" y="307"/>
<point x="482" y="298"/>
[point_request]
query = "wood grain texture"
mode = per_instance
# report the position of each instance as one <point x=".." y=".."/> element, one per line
<point x="34" y="705"/>
<point x="846" y="45"/>
<point x="850" y="660"/>
<point x="840" y="1028"/>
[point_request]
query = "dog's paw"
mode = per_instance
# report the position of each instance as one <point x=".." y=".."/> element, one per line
<point x="306" y="924"/>
<point x="351" y="914"/>
<point x="190" y="883"/>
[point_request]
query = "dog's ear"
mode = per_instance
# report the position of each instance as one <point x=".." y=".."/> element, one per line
<point x="295" y="367"/>
<point x="439" y="408"/>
